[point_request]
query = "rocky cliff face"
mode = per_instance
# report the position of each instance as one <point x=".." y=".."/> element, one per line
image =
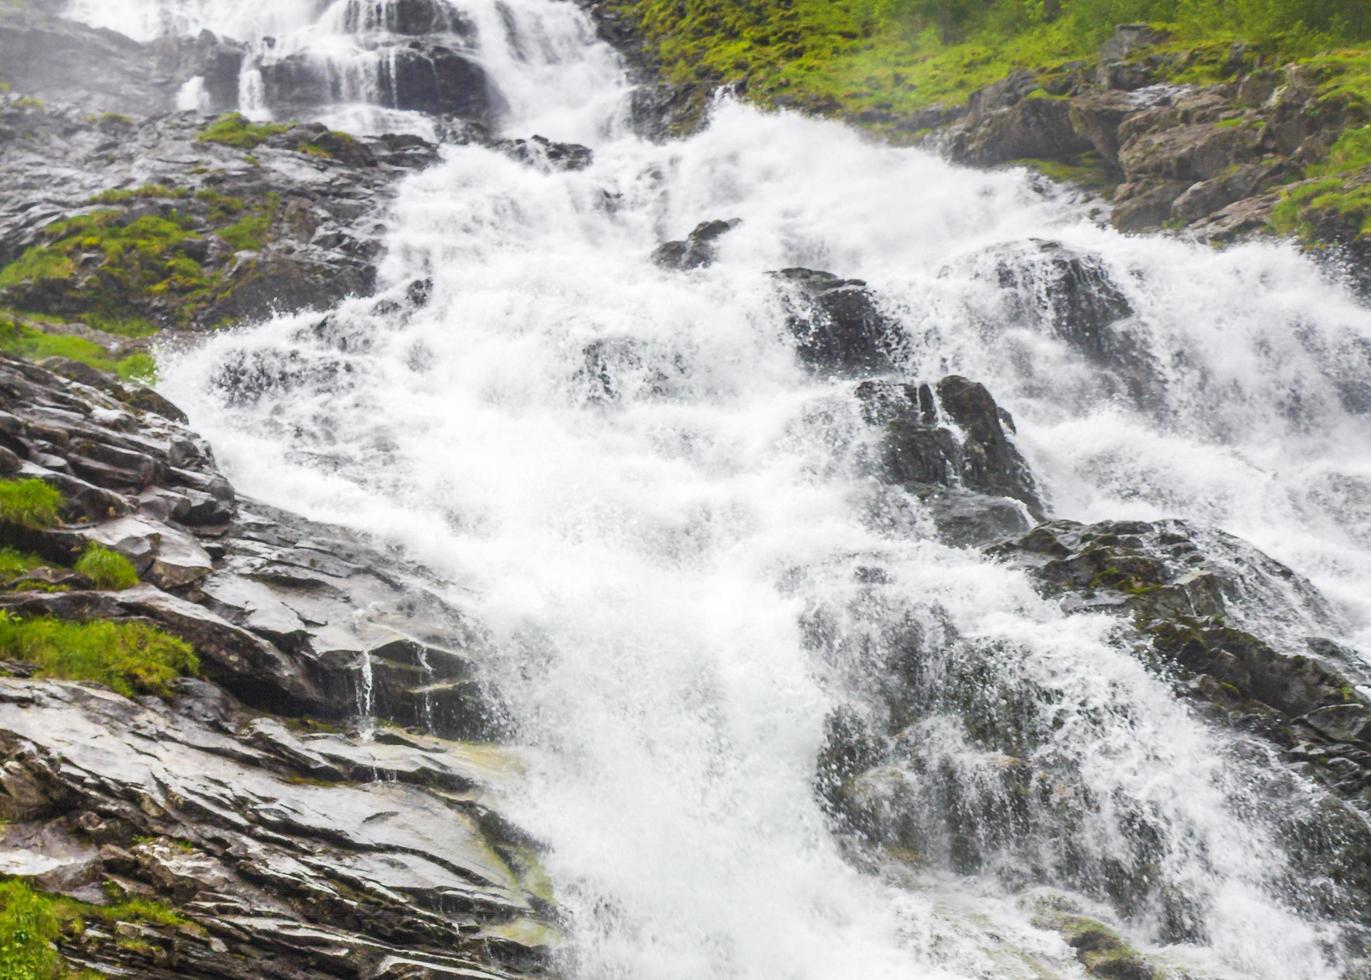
<point x="321" y="799"/>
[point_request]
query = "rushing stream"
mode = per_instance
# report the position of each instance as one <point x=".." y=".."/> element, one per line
<point x="651" y="566"/>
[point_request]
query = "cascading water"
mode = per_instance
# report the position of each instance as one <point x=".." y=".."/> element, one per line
<point x="688" y="581"/>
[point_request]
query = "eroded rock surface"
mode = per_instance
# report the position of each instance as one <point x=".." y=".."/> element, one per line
<point x="222" y="232"/>
<point x="256" y="801"/>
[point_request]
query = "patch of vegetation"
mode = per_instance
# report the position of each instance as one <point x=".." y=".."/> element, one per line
<point x="146" y="192"/>
<point x="29" y="926"/>
<point x="30" y="503"/>
<point x="33" y="344"/>
<point x="892" y="57"/>
<point x="106" y="569"/>
<point x="16" y="563"/>
<point x="129" y="658"/>
<point x="1334" y="192"/>
<point x="314" y="150"/>
<point x="234" y="129"/>
<point x="145" y="256"/>
<point x="31" y="922"/>
<point x="220" y="206"/>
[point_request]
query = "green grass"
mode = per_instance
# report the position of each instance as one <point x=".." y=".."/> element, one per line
<point x="29" y="926"/>
<point x="891" y="57"/>
<point x="248" y="234"/>
<point x="32" y="921"/>
<point x="129" y="658"/>
<point x="234" y="129"/>
<point x="1332" y="194"/>
<point x="33" y="344"/>
<point x="106" y="569"/>
<point x="30" y="503"/>
<point x="16" y="563"/>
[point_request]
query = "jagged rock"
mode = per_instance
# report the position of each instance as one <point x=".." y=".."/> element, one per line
<point x="1029" y="129"/>
<point x="838" y="326"/>
<point x="699" y="248"/>
<point x="289" y="855"/>
<point x="951" y="450"/>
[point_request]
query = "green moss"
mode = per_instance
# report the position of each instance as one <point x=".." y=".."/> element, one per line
<point x="878" y="60"/>
<point x="1332" y="192"/>
<point x="30" y="503"/>
<point x="129" y="658"/>
<point x="106" y="569"/>
<point x="1088" y="170"/>
<point x="234" y="129"/>
<point x="248" y="234"/>
<point x="314" y="150"/>
<point x="220" y="206"/>
<point x="146" y="192"/>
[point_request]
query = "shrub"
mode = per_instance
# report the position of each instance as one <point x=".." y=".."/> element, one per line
<point x="129" y="658"/>
<point x="31" y="503"/>
<point x="107" y="569"/>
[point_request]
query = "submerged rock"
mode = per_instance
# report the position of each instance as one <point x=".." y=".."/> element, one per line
<point x="1242" y="629"/>
<point x="837" y="323"/>
<point x="698" y="250"/>
<point x="949" y="444"/>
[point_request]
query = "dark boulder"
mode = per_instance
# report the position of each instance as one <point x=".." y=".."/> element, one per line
<point x="545" y="154"/>
<point x="949" y="435"/>
<point x="699" y="248"/>
<point x="838" y="326"/>
<point x="420" y="76"/>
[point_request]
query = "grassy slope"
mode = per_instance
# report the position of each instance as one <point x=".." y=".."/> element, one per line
<point x="873" y="61"/>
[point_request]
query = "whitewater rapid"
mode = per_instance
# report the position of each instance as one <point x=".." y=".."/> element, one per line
<point x="647" y="565"/>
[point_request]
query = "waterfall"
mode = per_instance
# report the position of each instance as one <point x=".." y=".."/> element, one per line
<point x="690" y="580"/>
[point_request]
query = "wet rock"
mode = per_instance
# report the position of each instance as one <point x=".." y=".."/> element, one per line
<point x="420" y="75"/>
<point x="1242" y="628"/>
<point x="290" y="850"/>
<point x="1072" y="296"/>
<point x="837" y="323"/>
<point x="277" y="871"/>
<point x="948" y="445"/>
<point x="540" y="152"/>
<point x="699" y="248"/>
